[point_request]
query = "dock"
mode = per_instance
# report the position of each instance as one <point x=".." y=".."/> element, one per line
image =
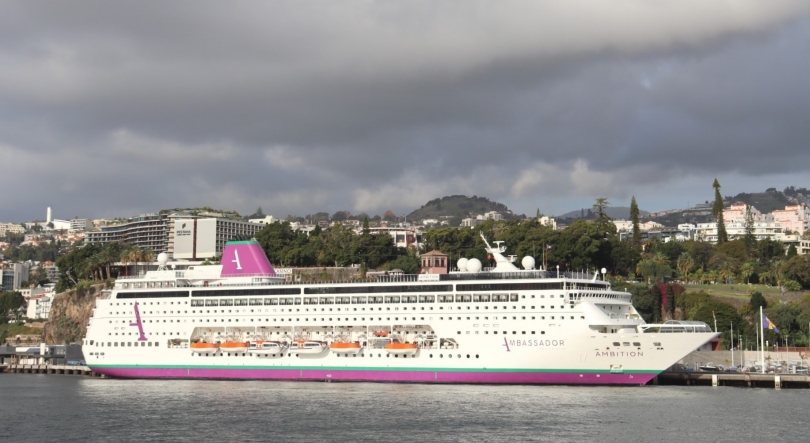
<point x="737" y="379"/>
<point x="16" y="368"/>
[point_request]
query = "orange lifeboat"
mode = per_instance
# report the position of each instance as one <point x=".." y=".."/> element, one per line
<point x="234" y="346"/>
<point x="345" y="347"/>
<point x="402" y="348"/>
<point x="381" y="333"/>
<point x="203" y="348"/>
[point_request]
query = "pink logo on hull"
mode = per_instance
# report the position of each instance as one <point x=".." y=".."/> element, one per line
<point x="245" y="258"/>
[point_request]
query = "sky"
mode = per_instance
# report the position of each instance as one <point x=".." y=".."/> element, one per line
<point x="114" y="109"/>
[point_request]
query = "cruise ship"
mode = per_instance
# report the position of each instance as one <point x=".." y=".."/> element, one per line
<point x="243" y="320"/>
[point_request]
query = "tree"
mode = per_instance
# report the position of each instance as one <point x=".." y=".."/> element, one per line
<point x="717" y="212"/>
<point x="750" y="240"/>
<point x="684" y="264"/>
<point x="756" y="301"/>
<point x="603" y="221"/>
<point x="389" y="216"/>
<point x="792" y="252"/>
<point x="634" y="215"/>
<point x="747" y="270"/>
<point x="366" y="229"/>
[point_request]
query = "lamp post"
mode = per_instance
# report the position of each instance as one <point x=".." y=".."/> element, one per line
<point x="558" y="276"/>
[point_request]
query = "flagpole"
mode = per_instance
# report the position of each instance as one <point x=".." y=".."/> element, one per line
<point x="762" y="339"/>
<point x="732" y="343"/>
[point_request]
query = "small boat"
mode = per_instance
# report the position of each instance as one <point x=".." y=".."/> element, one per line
<point x="345" y="347"/>
<point x="203" y="348"/>
<point x="234" y="346"/>
<point x="709" y="367"/>
<point x="260" y="347"/>
<point x="308" y="347"/>
<point x="381" y="333"/>
<point x="402" y="348"/>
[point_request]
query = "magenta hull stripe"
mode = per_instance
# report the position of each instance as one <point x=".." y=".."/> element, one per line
<point x="382" y="376"/>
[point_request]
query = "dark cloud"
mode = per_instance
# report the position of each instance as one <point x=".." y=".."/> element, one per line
<point x="113" y="109"/>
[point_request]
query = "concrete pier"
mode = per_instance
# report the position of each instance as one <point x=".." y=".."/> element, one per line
<point x="750" y="380"/>
<point x="17" y="368"/>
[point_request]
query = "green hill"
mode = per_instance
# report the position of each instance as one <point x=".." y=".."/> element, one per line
<point x="458" y="207"/>
<point x="765" y="202"/>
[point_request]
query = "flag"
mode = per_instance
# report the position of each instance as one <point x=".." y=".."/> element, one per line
<point x="768" y="324"/>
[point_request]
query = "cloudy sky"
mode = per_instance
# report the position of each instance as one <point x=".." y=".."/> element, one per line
<point x="121" y="108"/>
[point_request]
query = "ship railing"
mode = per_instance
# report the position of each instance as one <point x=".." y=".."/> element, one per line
<point x="676" y="327"/>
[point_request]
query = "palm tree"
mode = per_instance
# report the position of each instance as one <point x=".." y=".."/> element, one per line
<point x="746" y="271"/>
<point x="725" y="272"/>
<point x="146" y="255"/>
<point x="684" y="264"/>
<point x="776" y="272"/>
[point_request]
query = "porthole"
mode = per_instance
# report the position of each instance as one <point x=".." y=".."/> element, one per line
<point x="476" y="355"/>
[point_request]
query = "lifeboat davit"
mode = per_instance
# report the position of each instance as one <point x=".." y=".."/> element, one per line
<point x="260" y="347"/>
<point x="204" y="348"/>
<point x="402" y="348"/>
<point x="234" y="346"/>
<point x="308" y="347"/>
<point x="345" y="347"/>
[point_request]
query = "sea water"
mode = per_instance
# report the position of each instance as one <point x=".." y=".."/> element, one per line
<point x="39" y="408"/>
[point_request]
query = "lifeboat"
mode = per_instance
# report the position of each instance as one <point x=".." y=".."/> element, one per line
<point x="234" y="346"/>
<point x="345" y="347"/>
<point x="308" y="347"/>
<point x="203" y="348"/>
<point x="402" y="348"/>
<point x="381" y="333"/>
<point x="260" y="347"/>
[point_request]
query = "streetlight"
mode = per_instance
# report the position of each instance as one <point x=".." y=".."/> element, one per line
<point x="604" y="273"/>
<point x="558" y="276"/>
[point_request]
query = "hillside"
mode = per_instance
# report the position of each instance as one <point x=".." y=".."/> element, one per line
<point x="765" y="202"/>
<point x="459" y="207"/>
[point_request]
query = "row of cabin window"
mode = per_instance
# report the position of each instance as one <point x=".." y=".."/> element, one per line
<point x="151" y="284"/>
<point x="127" y="343"/>
<point x="460" y="298"/>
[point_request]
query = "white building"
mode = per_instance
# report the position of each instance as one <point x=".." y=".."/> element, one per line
<point x="403" y="237"/>
<point x="80" y="224"/>
<point x="39" y="302"/>
<point x="204" y="238"/>
<point x="707" y="232"/>
<point x="649" y="225"/>
<point x="264" y="221"/>
<point x="623" y="225"/>
<point x="548" y="221"/>
<point x="11" y="228"/>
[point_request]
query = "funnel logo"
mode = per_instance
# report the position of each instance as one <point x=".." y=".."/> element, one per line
<point x="236" y="260"/>
<point x="183" y="226"/>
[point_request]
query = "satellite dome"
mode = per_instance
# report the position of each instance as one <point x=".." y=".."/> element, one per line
<point x="163" y="258"/>
<point x="462" y="264"/>
<point x="474" y="265"/>
<point x="527" y="262"/>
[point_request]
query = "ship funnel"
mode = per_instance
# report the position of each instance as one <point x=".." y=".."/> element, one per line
<point x="245" y="258"/>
